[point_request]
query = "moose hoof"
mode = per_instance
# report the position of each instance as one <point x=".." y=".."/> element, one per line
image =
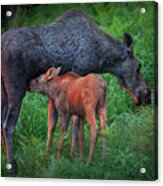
<point x="12" y="168"/>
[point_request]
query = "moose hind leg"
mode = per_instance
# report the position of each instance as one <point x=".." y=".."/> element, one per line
<point x="4" y="108"/>
<point x="4" y="103"/>
<point x="15" y="96"/>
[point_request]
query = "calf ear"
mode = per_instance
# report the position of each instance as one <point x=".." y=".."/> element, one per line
<point x="128" y="41"/>
<point x="57" y="71"/>
<point x="50" y="73"/>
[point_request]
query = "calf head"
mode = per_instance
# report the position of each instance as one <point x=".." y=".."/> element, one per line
<point x="43" y="82"/>
<point x="128" y="72"/>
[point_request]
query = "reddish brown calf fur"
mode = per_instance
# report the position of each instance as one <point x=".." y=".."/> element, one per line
<point x="74" y="95"/>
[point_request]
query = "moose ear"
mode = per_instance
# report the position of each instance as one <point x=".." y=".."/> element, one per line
<point x="128" y="41"/>
<point x="57" y="71"/>
<point x="50" y="73"/>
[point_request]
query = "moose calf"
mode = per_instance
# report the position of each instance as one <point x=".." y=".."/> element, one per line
<point x="81" y="96"/>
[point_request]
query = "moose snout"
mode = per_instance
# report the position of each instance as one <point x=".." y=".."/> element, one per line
<point x="145" y="97"/>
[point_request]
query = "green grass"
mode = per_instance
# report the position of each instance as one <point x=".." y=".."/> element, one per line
<point x="130" y="131"/>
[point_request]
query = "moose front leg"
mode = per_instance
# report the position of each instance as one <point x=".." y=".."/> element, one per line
<point x="52" y="121"/>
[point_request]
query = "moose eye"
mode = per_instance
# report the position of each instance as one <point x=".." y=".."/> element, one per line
<point x="139" y="67"/>
<point x="36" y="81"/>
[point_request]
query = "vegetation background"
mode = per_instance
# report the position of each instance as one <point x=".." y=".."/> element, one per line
<point x="131" y="131"/>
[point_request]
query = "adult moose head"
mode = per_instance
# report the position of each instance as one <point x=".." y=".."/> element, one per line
<point x="127" y="68"/>
<point x="74" y="43"/>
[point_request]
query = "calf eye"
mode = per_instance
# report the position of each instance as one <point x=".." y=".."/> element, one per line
<point x="36" y="80"/>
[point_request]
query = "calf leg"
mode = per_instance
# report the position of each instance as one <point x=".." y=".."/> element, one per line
<point x="103" y="122"/>
<point x="93" y="133"/>
<point x="52" y="121"/>
<point x="81" y="135"/>
<point x="75" y="123"/>
<point x="64" y="119"/>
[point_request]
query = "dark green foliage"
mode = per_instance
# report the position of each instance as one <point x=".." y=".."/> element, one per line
<point x="130" y="129"/>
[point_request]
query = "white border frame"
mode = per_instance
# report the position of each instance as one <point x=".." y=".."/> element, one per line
<point x="67" y="182"/>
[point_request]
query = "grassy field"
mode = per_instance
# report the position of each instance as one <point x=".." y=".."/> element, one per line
<point x="131" y="130"/>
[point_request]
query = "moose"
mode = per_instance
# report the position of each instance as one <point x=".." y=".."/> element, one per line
<point x="82" y="96"/>
<point x="74" y="43"/>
